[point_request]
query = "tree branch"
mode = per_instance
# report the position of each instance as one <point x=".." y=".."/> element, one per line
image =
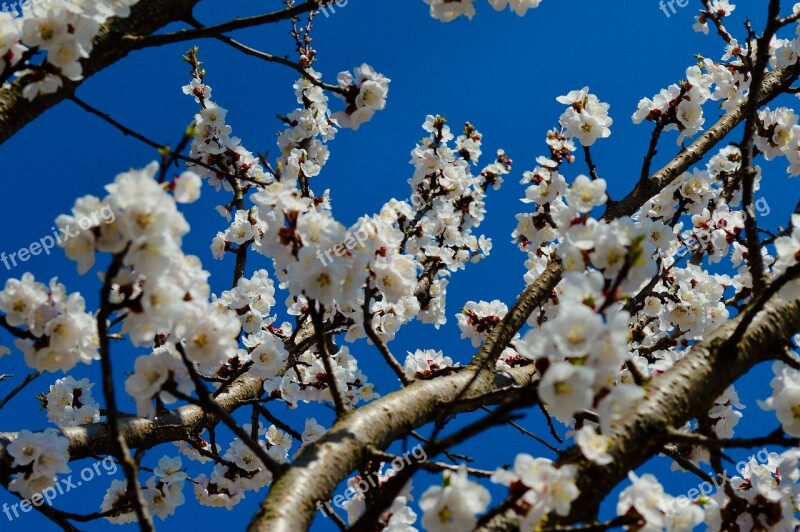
<point x="146" y="17"/>
<point x="685" y="391"/>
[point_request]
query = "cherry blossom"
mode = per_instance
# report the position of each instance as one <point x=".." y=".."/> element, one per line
<point x="42" y="455"/>
<point x="64" y="30"/>
<point x="620" y="294"/>
<point x="455" y="505"/>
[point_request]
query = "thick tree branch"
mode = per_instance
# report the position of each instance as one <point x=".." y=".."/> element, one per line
<point x="774" y="83"/>
<point x="290" y="504"/>
<point x="140" y="433"/>
<point x="117" y="38"/>
<point x="684" y="392"/>
<point x="146" y="17"/>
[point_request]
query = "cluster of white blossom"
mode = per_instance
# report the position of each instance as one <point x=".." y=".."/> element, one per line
<point x="163" y="493"/>
<point x="426" y="363"/>
<point x="645" y="500"/>
<point x="455" y="504"/>
<point x="295" y="230"/>
<point x="448" y="10"/>
<point x="616" y="248"/>
<point x="252" y="299"/>
<point x="308" y="381"/>
<point x="586" y="118"/>
<point x="542" y="487"/>
<point x="768" y="492"/>
<point x="476" y="320"/>
<point x="545" y="488"/>
<point x="240" y="470"/>
<point x="63" y="29"/>
<point x="387" y="317"/>
<point x="162" y="292"/>
<point x="788" y="249"/>
<point x="154" y="375"/>
<point x="718" y="8"/>
<point x="580" y="339"/>
<point x="401" y="516"/>
<point x="364" y="91"/>
<point x="722" y="419"/>
<point x="448" y="203"/>
<point x="214" y="146"/>
<point x="302" y="144"/>
<point x="389" y="249"/>
<point x="785" y="399"/>
<point x="69" y="403"/>
<point x="60" y="333"/>
<point x="680" y="107"/>
<point x="41" y="457"/>
<point x="266" y="352"/>
<point x="778" y="134"/>
<point x="584" y="350"/>
<point x="167" y="292"/>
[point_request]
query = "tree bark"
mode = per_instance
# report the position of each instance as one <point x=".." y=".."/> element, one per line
<point x="684" y="392"/>
<point x="146" y="17"/>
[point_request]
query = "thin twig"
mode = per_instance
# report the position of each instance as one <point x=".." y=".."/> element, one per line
<point x="138" y="42"/>
<point x="373" y="336"/>
<point x="776" y="437"/>
<point x="322" y="343"/>
<point x="206" y="401"/>
<point x="122" y="453"/>
<point x="29" y="379"/>
<point x="264" y="56"/>
<point x="526" y="432"/>
<point x="590" y="163"/>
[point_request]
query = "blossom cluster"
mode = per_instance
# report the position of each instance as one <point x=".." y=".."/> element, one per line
<point x="42" y="456"/>
<point x="646" y="500"/>
<point x="769" y="491"/>
<point x="240" y="470"/>
<point x="785" y="399"/>
<point x="154" y="375"/>
<point x="63" y="29"/>
<point x="448" y="10"/>
<point x="454" y="505"/>
<point x="400" y="514"/>
<point x="162" y="492"/>
<point x="477" y="320"/>
<point x="788" y="249"/>
<point x="543" y="488"/>
<point x="60" y="333"/>
<point x="580" y="339"/>
<point x="69" y="402"/>
<point x="365" y="92"/>
<point x="308" y="382"/>
<point x="586" y="118"/>
<point x="426" y="363"/>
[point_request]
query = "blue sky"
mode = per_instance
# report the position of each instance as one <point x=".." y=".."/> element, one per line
<point x="498" y="71"/>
